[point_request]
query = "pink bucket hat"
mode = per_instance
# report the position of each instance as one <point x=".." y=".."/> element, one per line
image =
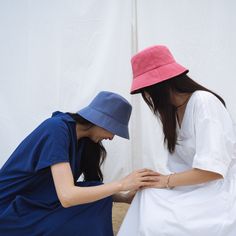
<point x="153" y="65"/>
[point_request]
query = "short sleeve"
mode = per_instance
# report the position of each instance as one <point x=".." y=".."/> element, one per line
<point x="54" y="143"/>
<point x="215" y="138"/>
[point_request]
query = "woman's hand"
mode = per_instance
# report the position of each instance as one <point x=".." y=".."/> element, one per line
<point x="161" y="181"/>
<point x="138" y="179"/>
<point x="189" y="177"/>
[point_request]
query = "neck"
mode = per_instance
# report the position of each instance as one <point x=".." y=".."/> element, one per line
<point x="180" y="99"/>
<point x="183" y="103"/>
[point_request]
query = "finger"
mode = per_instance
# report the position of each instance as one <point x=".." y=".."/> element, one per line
<point x="150" y="185"/>
<point x="149" y="179"/>
<point x="149" y="173"/>
<point x="144" y="170"/>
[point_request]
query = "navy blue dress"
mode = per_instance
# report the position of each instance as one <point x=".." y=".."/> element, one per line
<point x="29" y="205"/>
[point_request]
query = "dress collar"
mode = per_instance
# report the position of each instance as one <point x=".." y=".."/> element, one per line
<point x="63" y="116"/>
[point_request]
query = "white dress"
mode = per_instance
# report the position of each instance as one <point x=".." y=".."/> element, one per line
<point x="207" y="141"/>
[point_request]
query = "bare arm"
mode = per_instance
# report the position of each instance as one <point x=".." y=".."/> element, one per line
<point x="71" y="195"/>
<point x="191" y="177"/>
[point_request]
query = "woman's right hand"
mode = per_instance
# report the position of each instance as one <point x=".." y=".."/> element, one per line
<point x="138" y="179"/>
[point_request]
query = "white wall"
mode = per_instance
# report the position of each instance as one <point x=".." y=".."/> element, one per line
<point x="57" y="54"/>
<point x="201" y="35"/>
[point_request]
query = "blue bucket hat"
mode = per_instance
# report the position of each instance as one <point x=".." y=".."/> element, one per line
<point x="109" y="111"/>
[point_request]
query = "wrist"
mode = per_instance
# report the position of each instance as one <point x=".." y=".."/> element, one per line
<point x="119" y="186"/>
<point x="168" y="184"/>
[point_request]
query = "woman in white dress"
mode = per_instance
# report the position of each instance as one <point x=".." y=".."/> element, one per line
<point x="198" y="197"/>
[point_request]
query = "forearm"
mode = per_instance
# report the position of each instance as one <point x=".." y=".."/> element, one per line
<point x="80" y="195"/>
<point x="71" y="195"/>
<point x="192" y="177"/>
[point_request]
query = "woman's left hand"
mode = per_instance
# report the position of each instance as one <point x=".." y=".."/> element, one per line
<point x="161" y="182"/>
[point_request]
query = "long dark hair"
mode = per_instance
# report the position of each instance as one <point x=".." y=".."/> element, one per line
<point x="161" y="105"/>
<point x="93" y="154"/>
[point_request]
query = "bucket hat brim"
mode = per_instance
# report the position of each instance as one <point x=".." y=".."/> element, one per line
<point x="104" y="121"/>
<point x="156" y="75"/>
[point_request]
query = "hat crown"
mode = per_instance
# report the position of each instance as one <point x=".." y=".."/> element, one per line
<point x="153" y="65"/>
<point x="109" y="111"/>
<point x="151" y="58"/>
<point x="112" y="105"/>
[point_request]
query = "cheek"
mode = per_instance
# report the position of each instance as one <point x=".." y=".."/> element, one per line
<point x="107" y="134"/>
<point x="101" y="133"/>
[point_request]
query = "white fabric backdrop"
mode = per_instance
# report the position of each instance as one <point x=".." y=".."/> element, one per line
<point x="202" y="35"/>
<point x="57" y="54"/>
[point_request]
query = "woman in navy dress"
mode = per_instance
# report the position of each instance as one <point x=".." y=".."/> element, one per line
<point x="39" y="191"/>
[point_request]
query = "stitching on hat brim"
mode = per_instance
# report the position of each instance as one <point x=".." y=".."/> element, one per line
<point x="180" y="68"/>
<point x="118" y="126"/>
<point x="106" y="114"/>
<point x="173" y="62"/>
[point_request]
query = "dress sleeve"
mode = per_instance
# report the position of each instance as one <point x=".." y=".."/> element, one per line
<point x="54" y="144"/>
<point x="215" y="138"/>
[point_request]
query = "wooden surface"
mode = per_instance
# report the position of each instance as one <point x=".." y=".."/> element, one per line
<point x="118" y="213"/>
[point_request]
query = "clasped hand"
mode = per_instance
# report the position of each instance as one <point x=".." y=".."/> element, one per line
<point x="141" y="179"/>
<point x="144" y="178"/>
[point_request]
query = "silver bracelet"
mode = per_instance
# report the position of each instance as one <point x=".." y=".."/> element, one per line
<point x="168" y="180"/>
